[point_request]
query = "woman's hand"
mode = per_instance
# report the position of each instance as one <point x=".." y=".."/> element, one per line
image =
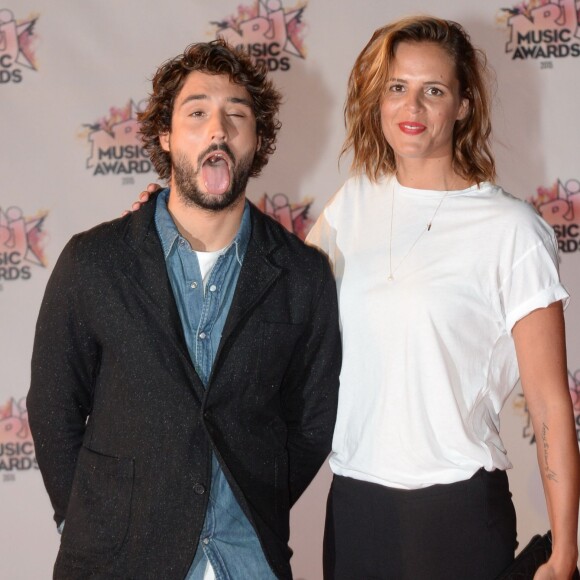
<point x="143" y="198"/>
<point x="548" y="571"/>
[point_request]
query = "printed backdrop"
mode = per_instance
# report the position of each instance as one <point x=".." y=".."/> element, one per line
<point x="73" y="76"/>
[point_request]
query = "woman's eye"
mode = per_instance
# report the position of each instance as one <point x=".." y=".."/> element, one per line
<point x="434" y="91"/>
<point x="396" y="88"/>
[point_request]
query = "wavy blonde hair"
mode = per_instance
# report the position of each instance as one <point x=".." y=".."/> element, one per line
<point x="373" y="156"/>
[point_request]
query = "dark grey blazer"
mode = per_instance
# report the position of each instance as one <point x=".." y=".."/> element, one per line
<point x="122" y="425"/>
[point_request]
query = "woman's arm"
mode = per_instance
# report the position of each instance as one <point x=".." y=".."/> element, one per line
<point x="541" y="350"/>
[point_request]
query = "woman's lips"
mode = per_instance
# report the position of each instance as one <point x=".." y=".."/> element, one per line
<point x="410" y="128"/>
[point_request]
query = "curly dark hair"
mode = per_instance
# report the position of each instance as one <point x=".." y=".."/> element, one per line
<point x="216" y="58"/>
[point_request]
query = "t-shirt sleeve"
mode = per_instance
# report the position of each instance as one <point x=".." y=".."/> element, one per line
<point x="532" y="280"/>
<point x="323" y="236"/>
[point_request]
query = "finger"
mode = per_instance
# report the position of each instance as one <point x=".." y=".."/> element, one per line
<point x="135" y="206"/>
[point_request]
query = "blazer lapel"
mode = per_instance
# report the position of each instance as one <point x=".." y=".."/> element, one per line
<point x="256" y="276"/>
<point x="147" y="272"/>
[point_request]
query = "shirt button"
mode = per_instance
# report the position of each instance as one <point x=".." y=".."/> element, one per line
<point x="199" y="489"/>
<point x="193" y="285"/>
<point x="202" y="335"/>
<point x="213" y="288"/>
<point x="206" y="541"/>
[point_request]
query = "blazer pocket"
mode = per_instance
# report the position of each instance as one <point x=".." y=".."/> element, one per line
<point x="279" y="340"/>
<point x="99" y="508"/>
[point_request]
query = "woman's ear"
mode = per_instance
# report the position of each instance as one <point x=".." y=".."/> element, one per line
<point x="463" y="109"/>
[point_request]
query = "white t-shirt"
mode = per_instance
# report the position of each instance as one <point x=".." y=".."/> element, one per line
<point x="428" y="358"/>
<point x="206" y="261"/>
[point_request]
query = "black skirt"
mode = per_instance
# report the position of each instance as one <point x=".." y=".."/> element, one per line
<point x="459" y="531"/>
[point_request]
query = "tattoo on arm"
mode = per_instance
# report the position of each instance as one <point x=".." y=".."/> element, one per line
<point x="551" y="475"/>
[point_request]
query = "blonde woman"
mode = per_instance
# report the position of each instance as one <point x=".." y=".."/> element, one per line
<point x="448" y="292"/>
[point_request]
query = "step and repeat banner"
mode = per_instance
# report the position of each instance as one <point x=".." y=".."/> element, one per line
<point x="73" y="76"/>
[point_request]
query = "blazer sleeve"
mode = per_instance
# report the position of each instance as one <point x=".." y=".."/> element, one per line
<point x="311" y="393"/>
<point x="65" y="360"/>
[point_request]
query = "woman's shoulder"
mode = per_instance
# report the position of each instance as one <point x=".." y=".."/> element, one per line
<point x="357" y="191"/>
<point x="518" y="213"/>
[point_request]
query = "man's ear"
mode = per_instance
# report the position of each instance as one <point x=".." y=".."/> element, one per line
<point x="164" y="141"/>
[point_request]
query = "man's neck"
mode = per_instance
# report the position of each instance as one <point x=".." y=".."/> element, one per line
<point x="206" y="231"/>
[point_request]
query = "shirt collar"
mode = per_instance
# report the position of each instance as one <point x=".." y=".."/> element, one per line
<point x="166" y="228"/>
<point x="169" y="234"/>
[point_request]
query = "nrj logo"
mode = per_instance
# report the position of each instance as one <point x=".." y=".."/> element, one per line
<point x="17" y="40"/>
<point x="543" y="29"/>
<point x="559" y="205"/>
<point x="21" y="244"/>
<point x="270" y="34"/>
<point x="116" y="146"/>
<point x="294" y="217"/>
<point x="16" y="446"/>
<point x="574" y="388"/>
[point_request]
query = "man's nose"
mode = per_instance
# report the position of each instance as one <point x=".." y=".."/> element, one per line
<point x="218" y="129"/>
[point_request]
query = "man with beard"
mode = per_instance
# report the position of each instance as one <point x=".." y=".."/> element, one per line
<point x="186" y="358"/>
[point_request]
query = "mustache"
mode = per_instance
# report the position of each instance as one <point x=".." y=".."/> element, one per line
<point x="212" y="148"/>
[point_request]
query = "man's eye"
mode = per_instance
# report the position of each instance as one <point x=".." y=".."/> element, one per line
<point x="197" y="114"/>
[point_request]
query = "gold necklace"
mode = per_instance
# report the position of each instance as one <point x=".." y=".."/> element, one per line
<point x="423" y="231"/>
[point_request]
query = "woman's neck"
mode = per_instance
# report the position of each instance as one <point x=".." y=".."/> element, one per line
<point x="431" y="174"/>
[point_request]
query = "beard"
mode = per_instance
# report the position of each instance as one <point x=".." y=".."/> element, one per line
<point x="186" y="180"/>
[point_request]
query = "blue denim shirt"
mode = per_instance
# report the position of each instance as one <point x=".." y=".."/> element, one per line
<point x="227" y="540"/>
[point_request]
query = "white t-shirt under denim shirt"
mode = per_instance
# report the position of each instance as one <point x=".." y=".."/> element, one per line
<point x="428" y="358"/>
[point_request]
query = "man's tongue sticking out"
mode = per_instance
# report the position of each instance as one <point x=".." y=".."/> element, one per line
<point x="216" y="174"/>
